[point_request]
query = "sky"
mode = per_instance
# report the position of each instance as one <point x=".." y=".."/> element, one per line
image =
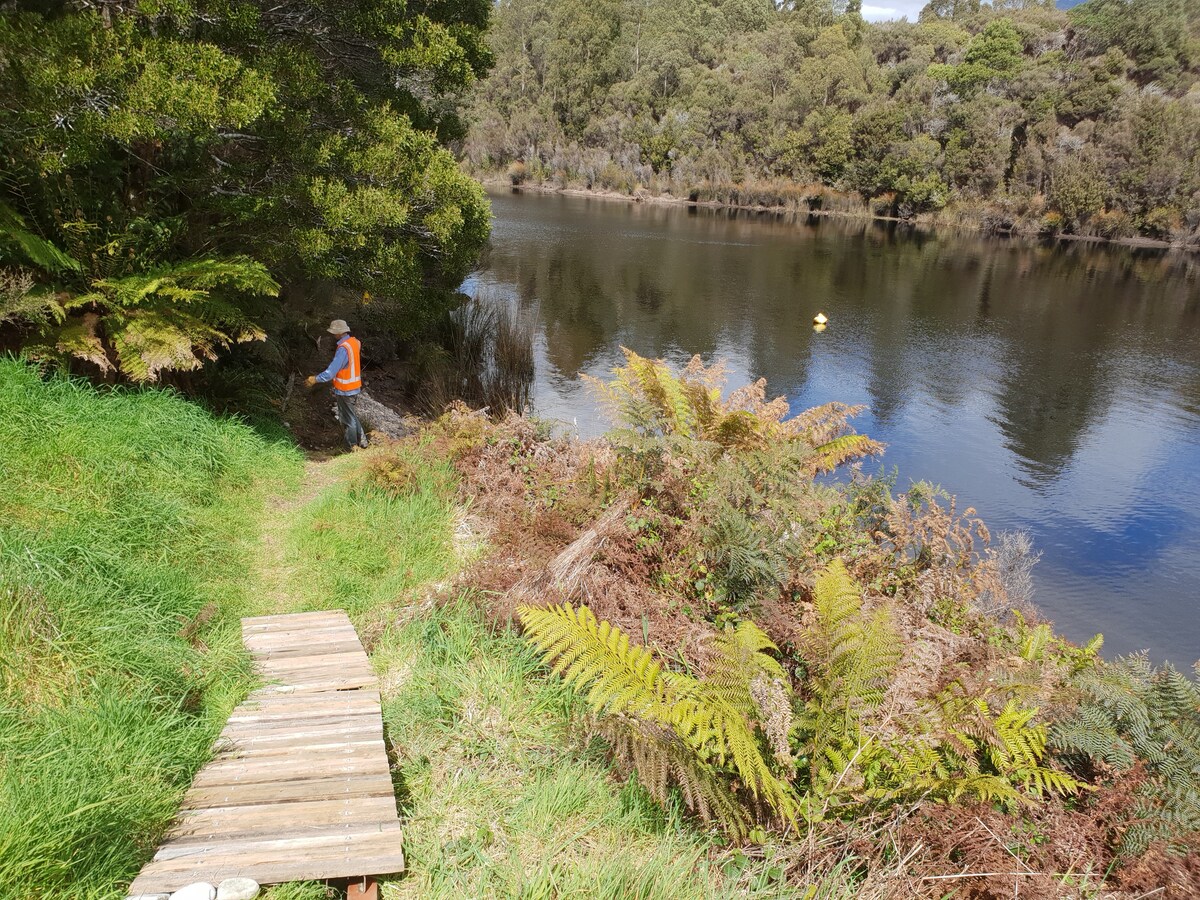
<point x="894" y="9"/>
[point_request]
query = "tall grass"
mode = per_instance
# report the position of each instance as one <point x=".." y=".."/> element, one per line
<point x="127" y="522"/>
<point x="483" y="357"/>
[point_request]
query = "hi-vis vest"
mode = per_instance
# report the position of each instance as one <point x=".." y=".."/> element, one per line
<point x="349" y="378"/>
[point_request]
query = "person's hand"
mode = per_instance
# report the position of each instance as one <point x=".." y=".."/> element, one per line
<point x="310" y="381"/>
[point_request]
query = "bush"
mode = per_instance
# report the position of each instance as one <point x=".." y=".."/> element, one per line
<point x="1162" y="223"/>
<point x="518" y="174"/>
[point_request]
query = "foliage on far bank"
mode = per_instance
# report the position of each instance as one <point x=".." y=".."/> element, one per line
<point x="166" y="167"/>
<point x="792" y="653"/>
<point x="1012" y="116"/>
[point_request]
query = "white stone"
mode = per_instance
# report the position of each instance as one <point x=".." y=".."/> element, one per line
<point x="148" y="897"/>
<point x="237" y="889"/>
<point x="201" y="890"/>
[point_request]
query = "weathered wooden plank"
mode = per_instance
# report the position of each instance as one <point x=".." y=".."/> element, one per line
<point x="301" y="813"/>
<point x="287" y="745"/>
<point x="280" y="772"/>
<point x="322" y="840"/>
<point x="272" y="871"/>
<point x="311" y="659"/>
<point x="311" y="788"/>
<point x="299" y="786"/>
<point x="291" y="619"/>
<point x="319" y="734"/>
<point x="310" y="634"/>
<point x="306" y="649"/>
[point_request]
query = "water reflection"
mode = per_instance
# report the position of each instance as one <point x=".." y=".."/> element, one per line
<point x="1054" y="388"/>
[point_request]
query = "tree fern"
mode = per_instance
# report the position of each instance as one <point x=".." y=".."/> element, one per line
<point x="169" y="317"/>
<point x="626" y="687"/>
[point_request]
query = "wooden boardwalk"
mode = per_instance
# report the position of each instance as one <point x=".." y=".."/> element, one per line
<point x="299" y="787"/>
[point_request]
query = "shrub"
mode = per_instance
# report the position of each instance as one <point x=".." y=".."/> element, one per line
<point x="1162" y="223"/>
<point x="518" y="174"/>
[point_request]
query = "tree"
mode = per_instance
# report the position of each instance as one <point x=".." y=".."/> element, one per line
<point x="284" y="142"/>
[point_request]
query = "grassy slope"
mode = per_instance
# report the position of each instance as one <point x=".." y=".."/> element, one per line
<point x="124" y="517"/>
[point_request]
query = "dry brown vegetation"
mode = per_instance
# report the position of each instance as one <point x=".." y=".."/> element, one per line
<point x="699" y="513"/>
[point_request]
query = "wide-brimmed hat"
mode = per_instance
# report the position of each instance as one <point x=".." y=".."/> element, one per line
<point x="338" y="326"/>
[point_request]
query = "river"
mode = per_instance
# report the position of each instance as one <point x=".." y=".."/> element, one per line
<point x="1055" y="388"/>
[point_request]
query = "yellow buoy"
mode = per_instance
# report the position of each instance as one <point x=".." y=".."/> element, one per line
<point x="819" y="319"/>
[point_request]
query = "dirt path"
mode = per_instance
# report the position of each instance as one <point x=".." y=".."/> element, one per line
<point x="274" y="568"/>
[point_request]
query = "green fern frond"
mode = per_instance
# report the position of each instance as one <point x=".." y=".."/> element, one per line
<point x="831" y="454"/>
<point x="741" y="657"/>
<point x="619" y="677"/>
<point x="34" y="250"/>
<point x="622" y="679"/>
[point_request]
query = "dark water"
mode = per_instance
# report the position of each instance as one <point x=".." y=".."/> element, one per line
<point x="1055" y="389"/>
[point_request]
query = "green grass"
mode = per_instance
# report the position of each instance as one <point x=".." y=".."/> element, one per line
<point x="128" y="522"/>
<point x="361" y="548"/>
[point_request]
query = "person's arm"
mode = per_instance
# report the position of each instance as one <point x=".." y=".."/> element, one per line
<point x="341" y="359"/>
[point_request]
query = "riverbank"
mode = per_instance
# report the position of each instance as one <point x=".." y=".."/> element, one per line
<point x="903" y="717"/>
<point x="981" y="222"/>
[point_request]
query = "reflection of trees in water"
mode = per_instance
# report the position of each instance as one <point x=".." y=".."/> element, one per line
<point x="943" y="317"/>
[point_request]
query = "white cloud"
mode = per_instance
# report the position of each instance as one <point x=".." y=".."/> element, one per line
<point x="901" y="9"/>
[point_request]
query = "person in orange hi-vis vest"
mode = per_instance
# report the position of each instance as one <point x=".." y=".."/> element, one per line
<point x="346" y="374"/>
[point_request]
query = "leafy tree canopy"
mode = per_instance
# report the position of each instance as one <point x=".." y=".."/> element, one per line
<point x="167" y="161"/>
<point x="1011" y="111"/>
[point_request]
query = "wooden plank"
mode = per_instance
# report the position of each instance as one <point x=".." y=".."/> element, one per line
<point x="321" y="734"/>
<point x="312" y="788"/>
<point x="289" y="663"/>
<point x="299" y="786"/>
<point x="319" y="841"/>
<point x="301" y="813"/>
<point x="272" y="870"/>
<point x="310" y="634"/>
<point x="286" y="747"/>
<point x="293" y="621"/>
<point x="242" y="776"/>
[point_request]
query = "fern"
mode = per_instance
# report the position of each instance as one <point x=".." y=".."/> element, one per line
<point x="647" y="398"/>
<point x="852" y="655"/>
<point x="1130" y="712"/>
<point x="38" y="252"/>
<point x="660" y="710"/>
<point x="170" y="317"/>
<point x="961" y="747"/>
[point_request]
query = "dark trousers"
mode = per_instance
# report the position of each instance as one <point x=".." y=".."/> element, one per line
<point x="355" y="436"/>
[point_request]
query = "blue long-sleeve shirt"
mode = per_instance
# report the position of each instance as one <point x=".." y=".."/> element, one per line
<point x="341" y="359"/>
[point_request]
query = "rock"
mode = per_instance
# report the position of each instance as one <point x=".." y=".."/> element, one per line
<point x="237" y="889"/>
<point x="148" y="897"/>
<point x="201" y="890"/>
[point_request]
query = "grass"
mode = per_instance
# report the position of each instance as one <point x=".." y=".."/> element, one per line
<point x="127" y="525"/>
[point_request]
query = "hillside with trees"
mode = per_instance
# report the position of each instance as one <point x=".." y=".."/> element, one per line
<point x="166" y="166"/>
<point x="1014" y="116"/>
